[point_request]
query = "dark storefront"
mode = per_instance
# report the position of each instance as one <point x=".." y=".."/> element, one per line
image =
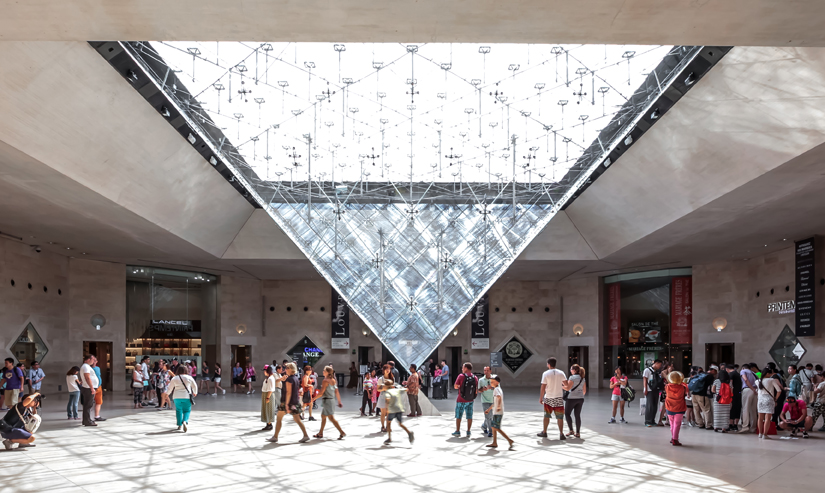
<point x="647" y="316"/>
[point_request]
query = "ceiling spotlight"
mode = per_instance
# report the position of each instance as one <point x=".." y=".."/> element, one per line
<point x="213" y="161"/>
<point x="68" y="248"/>
<point x="691" y="79"/>
<point x="655" y="114"/>
<point x="165" y="112"/>
<point x="131" y="76"/>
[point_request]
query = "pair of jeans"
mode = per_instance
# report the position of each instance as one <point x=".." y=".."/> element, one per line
<point x="702" y="411"/>
<point x="415" y="409"/>
<point x="675" y="420"/>
<point x="71" y="407"/>
<point x="652" y="406"/>
<point x="488" y="417"/>
<point x="88" y="400"/>
<point x="574" y="407"/>
<point x="366" y="401"/>
<point x="183" y="408"/>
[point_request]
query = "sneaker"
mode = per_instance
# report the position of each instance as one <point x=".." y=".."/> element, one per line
<point x="649" y="425"/>
<point x="691" y="424"/>
<point x="489" y="434"/>
<point x="677" y="443"/>
<point x="253" y="391"/>
<point x="760" y="436"/>
<point x="612" y="420"/>
<point x="312" y="419"/>
<point x="468" y="433"/>
<point x="623" y="421"/>
<point x="185" y="426"/>
<point x="541" y="434"/>
<point x="793" y="434"/>
<point x="562" y="437"/>
<point x="8" y="444"/>
<point x="304" y="440"/>
<point x="272" y="439"/>
<point x="387" y="441"/>
<point x="804" y="434"/>
<point x="411" y="436"/>
<point x="98" y="418"/>
<point x="248" y="393"/>
<point x="456" y="433"/>
<point x="224" y="391"/>
<point x="26" y="445"/>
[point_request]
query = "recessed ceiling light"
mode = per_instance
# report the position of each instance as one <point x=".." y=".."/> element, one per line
<point x="51" y="243"/>
<point x="67" y="248"/>
<point x="84" y="253"/>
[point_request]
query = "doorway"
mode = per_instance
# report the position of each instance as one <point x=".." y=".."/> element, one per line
<point x="720" y="352"/>
<point x="365" y="355"/>
<point x="102" y="350"/>
<point x="241" y="354"/>
<point x="454" y="360"/>
<point x="578" y="355"/>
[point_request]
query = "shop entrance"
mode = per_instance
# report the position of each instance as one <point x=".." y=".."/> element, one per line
<point x="578" y="355"/>
<point x="241" y="354"/>
<point x="720" y="352"/>
<point x="102" y="350"/>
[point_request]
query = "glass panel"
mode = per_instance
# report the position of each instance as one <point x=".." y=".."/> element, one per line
<point x="410" y="176"/>
<point x="29" y="346"/>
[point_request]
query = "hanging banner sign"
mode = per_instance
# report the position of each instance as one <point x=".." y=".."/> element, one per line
<point x="614" y="316"/>
<point x="480" y="324"/>
<point x="805" y="288"/>
<point x="681" y="309"/>
<point x="340" y="322"/>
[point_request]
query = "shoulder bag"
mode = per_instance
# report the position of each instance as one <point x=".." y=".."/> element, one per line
<point x="31" y="422"/>
<point x="191" y="397"/>
<point x="565" y="394"/>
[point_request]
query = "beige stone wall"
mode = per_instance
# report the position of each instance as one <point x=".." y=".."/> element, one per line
<point x="77" y="289"/>
<point x="544" y="333"/>
<point x="730" y="289"/>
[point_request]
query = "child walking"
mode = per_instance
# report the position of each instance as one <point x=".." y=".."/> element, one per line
<point x="394" y="408"/>
<point x="497" y="409"/>
<point x="675" y="404"/>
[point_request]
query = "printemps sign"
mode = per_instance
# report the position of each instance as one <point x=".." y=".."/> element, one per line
<point x="782" y="307"/>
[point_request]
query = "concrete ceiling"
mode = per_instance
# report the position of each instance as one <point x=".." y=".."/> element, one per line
<point x="87" y="164"/>
<point x="706" y="22"/>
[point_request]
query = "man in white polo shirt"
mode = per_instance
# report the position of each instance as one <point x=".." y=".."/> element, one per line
<point x="551" y="397"/>
<point x="87" y="393"/>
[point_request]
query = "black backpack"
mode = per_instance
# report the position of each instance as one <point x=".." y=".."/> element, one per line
<point x="469" y="388"/>
<point x="657" y="382"/>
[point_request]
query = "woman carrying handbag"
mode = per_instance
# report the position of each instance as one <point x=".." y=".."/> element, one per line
<point x="183" y="390"/>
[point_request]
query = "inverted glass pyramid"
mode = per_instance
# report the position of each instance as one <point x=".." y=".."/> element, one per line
<point x="411" y="176"/>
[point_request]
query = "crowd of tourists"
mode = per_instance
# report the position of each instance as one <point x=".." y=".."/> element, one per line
<point x="724" y="398"/>
<point x="729" y="398"/>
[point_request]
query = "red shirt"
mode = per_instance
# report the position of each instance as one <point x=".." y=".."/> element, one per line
<point x="675" y="400"/>
<point x="796" y="411"/>
<point x="460" y="381"/>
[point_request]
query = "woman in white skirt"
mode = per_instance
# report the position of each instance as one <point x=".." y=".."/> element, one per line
<point x="268" y="398"/>
<point x="217" y="379"/>
<point x="382" y="397"/>
<point x="769" y="391"/>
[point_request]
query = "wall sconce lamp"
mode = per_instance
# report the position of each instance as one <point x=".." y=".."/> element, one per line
<point x="241" y="329"/>
<point x="719" y="323"/>
<point x="98" y="321"/>
<point x="578" y="329"/>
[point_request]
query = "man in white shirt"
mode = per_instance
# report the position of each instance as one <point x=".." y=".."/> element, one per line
<point x="88" y="379"/>
<point x="551" y="397"/>
<point x="144" y="368"/>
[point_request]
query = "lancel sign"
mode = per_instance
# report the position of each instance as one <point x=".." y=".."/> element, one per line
<point x="782" y="307"/>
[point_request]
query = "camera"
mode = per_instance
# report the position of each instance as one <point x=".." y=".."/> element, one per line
<point x="37" y="248"/>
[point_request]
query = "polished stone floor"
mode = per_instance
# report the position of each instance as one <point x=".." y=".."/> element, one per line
<point x="224" y="451"/>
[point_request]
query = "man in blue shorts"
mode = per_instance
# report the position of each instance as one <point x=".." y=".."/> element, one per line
<point x="467" y="386"/>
